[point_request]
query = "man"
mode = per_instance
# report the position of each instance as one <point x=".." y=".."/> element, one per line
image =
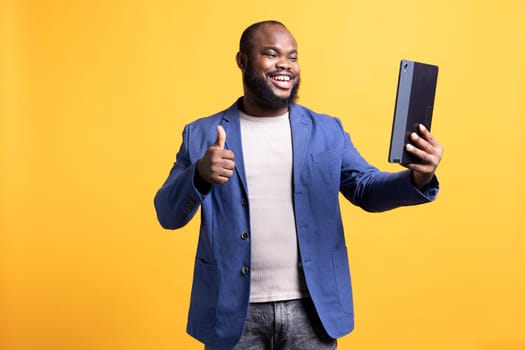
<point x="271" y="268"/>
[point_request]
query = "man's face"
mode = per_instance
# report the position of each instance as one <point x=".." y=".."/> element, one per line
<point x="272" y="73"/>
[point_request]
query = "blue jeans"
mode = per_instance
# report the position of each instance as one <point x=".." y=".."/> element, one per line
<point x="284" y="325"/>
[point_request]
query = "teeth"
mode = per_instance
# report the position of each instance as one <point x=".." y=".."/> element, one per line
<point x="282" y="78"/>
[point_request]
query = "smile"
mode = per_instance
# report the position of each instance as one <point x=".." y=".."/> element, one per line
<point x="282" y="81"/>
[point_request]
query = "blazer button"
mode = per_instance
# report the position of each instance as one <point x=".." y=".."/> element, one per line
<point x="245" y="270"/>
<point x="244" y="201"/>
<point x="244" y="235"/>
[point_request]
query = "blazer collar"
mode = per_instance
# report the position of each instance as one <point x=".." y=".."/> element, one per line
<point x="300" y="127"/>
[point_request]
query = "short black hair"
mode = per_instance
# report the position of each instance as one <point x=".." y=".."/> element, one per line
<point x="245" y="44"/>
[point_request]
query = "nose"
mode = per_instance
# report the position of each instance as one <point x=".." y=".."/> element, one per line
<point x="283" y="63"/>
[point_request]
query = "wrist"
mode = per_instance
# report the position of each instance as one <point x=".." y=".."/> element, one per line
<point x="420" y="180"/>
<point x="202" y="185"/>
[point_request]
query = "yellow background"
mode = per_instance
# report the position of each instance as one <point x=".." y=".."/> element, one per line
<point x="93" y="98"/>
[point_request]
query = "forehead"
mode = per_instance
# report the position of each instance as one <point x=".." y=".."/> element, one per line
<point x="273" y="35"/>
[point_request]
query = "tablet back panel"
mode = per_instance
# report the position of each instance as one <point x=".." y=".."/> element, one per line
<point x="416" y="90"/>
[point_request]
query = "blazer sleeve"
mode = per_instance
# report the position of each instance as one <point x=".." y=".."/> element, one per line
<point x="177" y="201"/>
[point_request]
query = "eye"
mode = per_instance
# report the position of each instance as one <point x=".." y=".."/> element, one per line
<point x="293" y="58"/>
<point x="270" y="54"/>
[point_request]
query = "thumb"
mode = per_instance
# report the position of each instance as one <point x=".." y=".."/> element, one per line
<point x="221" y="137"/>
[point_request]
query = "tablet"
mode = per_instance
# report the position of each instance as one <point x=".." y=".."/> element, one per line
<point x="416" y="89"/>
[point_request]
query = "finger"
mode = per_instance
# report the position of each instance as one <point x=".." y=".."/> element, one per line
<point x="226" y="173"/>
<point x="227" y="154"/>
<point x="222" y="177"/>
<point x="221" y="137"/>
<point x="427" y="135"/>
<point x="421" y="143"/>
<point x="423" y="129"/>
<point x="427" y="143"/>
<point x="228" y="164"/>
<point x="422" y="155"/>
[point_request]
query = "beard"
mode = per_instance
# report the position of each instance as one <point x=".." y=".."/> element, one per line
<point x="259" y="87"/>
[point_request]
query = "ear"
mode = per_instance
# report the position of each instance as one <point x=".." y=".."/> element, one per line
<point x="241" y="59"/>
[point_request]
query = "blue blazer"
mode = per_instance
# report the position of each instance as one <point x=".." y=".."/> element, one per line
<point x="325" y="162"/>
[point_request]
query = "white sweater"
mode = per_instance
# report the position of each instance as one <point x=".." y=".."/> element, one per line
<point x="267" y="149"/>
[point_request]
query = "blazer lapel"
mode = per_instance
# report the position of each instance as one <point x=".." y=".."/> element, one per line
<point x="232" y="127"/>
<point x="300" y="134"/>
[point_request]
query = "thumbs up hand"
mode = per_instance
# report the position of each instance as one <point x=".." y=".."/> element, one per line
<point x="216" y="166"/>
